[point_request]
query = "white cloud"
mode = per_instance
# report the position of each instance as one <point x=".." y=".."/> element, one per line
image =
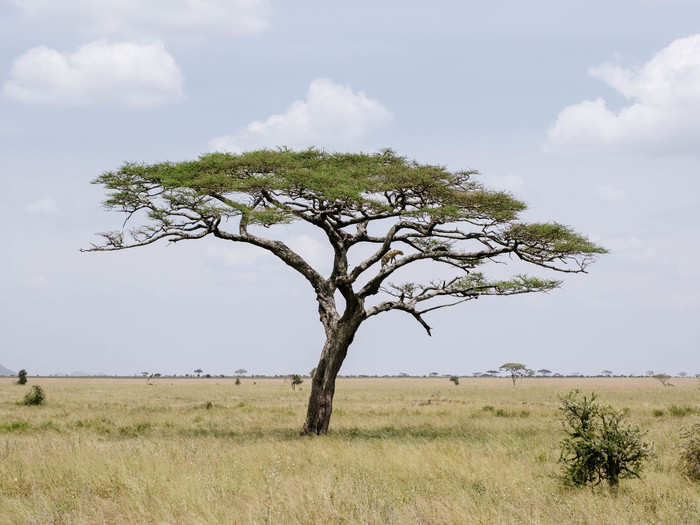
<point x="610" y="193"/>
<point x="663" y="113"/>
<point x="332" y="116"/>
<point x="45" y="206"/>
<point x="135" y="17"/>
<point x="130" y="74"/>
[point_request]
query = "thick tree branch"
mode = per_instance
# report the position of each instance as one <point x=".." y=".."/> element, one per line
<point x="281" y="250"/>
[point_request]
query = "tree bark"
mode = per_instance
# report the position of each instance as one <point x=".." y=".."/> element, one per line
<point x="338" y="340"/>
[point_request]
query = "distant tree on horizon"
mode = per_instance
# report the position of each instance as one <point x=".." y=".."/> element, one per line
<point x="516" y="370"/>
<point x="295" y="379"/>
<point x="544" y="372"/>
<point x="607" y="373"/>
<point x="198" y="371"/>
<point x="241" y="372"/>
<point x="663" y="379"/>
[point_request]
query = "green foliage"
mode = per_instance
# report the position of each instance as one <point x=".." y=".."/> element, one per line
<point x="349" y="180"/>
<point x="553" y="238"/>
<point x="657" y="412"/>
<point x="35" y="396"/>
<point x="599" y="446"/>
<point x="22" y="377"/>
<point x="268" y="187"/>
<point x="690" y="452"/>
<point x="455" y="380"/>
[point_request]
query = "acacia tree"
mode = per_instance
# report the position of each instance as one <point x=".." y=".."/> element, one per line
<point x="382" y="201"/>
<point x="663" y="379"/>
<point x="515" y="370"/>
<point x="295" y="379"/>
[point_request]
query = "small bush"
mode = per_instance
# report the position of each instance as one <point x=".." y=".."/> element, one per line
<point x="599" y="446"/>
<point x="14" y="426"/>
<point x="657" y="412"/>
<point x="690" y="452"/>
<point x="678" y="411"/>
<point x="22" y="377"/>
<point x="35" y="396"/>
<point x="487" y="408"/>
<point x="478" y="487"/>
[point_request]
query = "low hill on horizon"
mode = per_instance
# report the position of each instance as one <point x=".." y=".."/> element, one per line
<point x="6" y="371"/>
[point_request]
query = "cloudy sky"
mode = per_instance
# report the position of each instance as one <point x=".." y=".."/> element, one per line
<point x="587" y="110"/>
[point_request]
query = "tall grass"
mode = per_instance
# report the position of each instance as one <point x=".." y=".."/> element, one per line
<point x="123" y="452"/>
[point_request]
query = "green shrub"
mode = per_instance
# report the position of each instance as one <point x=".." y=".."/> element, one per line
<point x="599" y="446"/>
<point x="487" y="408"/>
<point x="22" y="377"/>
<point x="35" y="396"/>
<point x="14" y="426"/>
<point x="657" y="412"/>
<point x="478" y="487"/>
<point x="690" y="452"/>
<point x="680" y="411"/>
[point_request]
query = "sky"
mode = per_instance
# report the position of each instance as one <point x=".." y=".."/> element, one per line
<point x="589" y="111"/>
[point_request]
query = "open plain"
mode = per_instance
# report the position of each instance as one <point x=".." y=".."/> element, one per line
<point x="400" y="450"/>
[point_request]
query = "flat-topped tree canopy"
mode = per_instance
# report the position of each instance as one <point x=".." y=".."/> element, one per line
<point x="380" y="199"/>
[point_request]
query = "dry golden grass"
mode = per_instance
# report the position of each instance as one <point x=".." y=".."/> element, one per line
<point x="125" y="452"/>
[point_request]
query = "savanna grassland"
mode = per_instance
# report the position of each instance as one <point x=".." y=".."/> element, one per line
<point x="122" y="451"/>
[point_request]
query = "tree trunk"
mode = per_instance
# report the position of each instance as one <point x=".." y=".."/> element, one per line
<point x="318" y="414"/>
